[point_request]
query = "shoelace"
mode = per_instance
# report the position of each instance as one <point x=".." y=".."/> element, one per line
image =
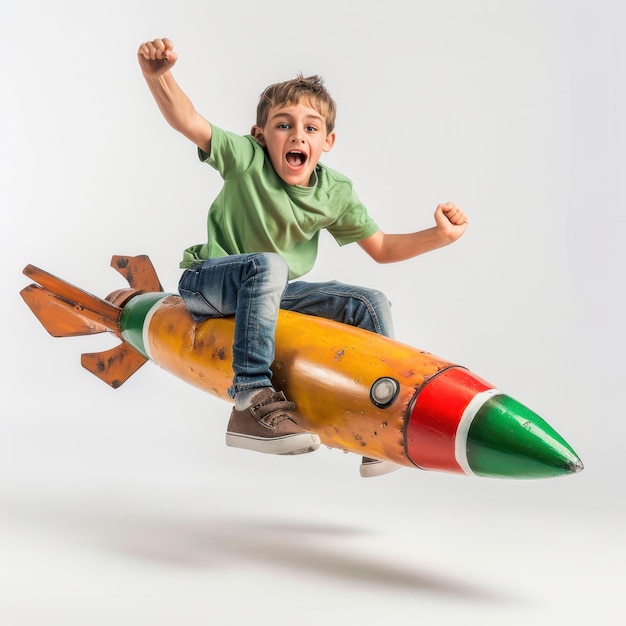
<point x="273" y="409"/>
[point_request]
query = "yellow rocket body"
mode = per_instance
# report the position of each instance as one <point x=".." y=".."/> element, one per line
<point x="325" y="367"/>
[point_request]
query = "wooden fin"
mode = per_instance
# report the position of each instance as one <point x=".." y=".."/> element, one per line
<point x="62" y="318"/>
<point x="114" y="366"/>
<point x="74" y="295"/>
<point x="138" y="271"/>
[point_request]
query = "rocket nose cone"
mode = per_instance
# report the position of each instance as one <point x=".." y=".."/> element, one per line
<point x="508" y="440"/>
<point x="460" y="423"/>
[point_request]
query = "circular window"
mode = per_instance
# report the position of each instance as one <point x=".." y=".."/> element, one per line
<point x="384" y="391"/>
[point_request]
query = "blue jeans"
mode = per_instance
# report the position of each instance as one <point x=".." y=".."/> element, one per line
<point x="253" y="287"/>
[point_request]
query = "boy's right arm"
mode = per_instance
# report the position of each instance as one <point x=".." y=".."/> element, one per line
<point x="156" y="59"/>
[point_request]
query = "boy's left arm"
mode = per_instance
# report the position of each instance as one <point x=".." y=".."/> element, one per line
<point x="450" y="224"/>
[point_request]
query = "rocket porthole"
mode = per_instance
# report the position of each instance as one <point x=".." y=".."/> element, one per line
<point x="384" y="391"/>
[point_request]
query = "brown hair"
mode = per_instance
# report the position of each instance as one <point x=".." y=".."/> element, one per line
<point x="311" y="90"/>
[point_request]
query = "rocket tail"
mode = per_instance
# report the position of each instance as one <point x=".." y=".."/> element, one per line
<point x="67" y="311"/>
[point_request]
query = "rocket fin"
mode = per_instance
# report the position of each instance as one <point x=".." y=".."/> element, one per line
<point x="75" y="297"/>
<point x="62" y="318"/>
<point x="67" y="311"/>
<point x="138" y="271"/>
<point x="113" y="366"/>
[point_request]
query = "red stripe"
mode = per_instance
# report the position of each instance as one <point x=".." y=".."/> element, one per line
<point x="432" y="426"/>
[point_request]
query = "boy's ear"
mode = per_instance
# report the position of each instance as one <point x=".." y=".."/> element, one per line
<point x="257" y="133"/>
<point x="330" y="142"/>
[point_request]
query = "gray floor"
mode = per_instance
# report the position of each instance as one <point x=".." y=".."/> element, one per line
<point x="147" y="518"/>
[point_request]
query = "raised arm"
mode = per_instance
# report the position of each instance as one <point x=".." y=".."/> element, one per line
<point x="450" y="224"/>
<point x="156" y="59"/>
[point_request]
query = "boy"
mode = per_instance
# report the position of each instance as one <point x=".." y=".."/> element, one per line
<point x="263" y="229"/>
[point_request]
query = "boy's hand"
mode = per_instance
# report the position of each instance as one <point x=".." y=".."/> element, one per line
<point x="451" y="220"/>
<point x="156" y="57"/>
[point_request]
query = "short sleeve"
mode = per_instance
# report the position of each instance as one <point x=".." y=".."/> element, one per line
<point x="354" y="223"/>
<point x="231" y="154"/>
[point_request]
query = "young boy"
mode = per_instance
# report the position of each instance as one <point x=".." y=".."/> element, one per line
<point x="263" y="230"/>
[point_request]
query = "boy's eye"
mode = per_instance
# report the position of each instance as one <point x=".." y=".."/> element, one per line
<point x="283" y="126"/>
<point x="311" y="129"/>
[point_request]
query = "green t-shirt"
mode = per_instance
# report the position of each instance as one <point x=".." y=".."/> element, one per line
<point x="256" y="211"/>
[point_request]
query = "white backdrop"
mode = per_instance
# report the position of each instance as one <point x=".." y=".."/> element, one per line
<point x="125" y="507"/>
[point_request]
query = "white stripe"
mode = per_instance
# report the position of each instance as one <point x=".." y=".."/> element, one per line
<point x="460" y="443"/>
<point x="145" y="334"/>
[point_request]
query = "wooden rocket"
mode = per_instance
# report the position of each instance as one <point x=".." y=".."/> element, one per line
<point x="359" y="391"/>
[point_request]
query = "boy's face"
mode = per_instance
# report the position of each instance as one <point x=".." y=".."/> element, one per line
<point x="295" y="137"/>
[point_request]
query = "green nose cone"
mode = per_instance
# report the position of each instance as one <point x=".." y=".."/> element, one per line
<point x="508" y="440"/>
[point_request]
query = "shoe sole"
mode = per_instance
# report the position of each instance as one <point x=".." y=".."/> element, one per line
<point x="289" y="444"/>
<point x="369" y="470"/>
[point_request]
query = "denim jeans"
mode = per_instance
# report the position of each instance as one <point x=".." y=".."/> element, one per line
<point x="253" y="287"/>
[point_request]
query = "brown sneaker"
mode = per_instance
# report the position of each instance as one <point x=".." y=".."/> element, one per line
<point x="269" y="425"/>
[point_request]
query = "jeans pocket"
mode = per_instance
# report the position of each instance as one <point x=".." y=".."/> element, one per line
<point x="199" y="307"/>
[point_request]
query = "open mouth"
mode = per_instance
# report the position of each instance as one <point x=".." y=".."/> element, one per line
<point x="295" y="158"/>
